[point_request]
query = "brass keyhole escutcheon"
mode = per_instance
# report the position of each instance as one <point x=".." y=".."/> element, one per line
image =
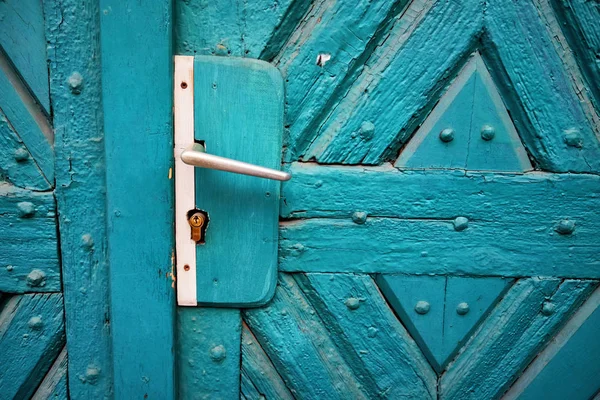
<point x="198" y="221"/>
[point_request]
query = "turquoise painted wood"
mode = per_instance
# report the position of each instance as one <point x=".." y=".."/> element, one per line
<point x="31" y="337"/>
<point x="208" y="353"/>
<point x="54" y="385"/>
<point x="238" y="115"/>
<point x="22" y="37"/>
<point x="138" y="125"/>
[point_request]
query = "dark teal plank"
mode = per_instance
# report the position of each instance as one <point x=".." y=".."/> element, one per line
<point x="18" y="165"/>
<point x="259" y="376"/>
<point x="54" y="385"/>
<point x="238" y="114"/>
<point x="539" y="87"/>
<point x="22" y="38"/>
<point x="75" y="87"/>
<point x="208" y="353"/>
<point x="576" y="363"/>
<point x="28" y="241"/>
<point x="137" y="92"/>
<point x="31" y="337"/>
<point x="383" y="356"/>
<point x="26" y="118"/>
<point x="513" y="334"/>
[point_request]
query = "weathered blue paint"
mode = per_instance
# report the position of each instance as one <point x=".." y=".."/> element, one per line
<point x="76" y="98"/>
<point x="28" y="241"/>
<point x="208" y="353"/>
<point x="23" y="39"/>
<point x="468" y="129"/>
<point x="239" y="115"/>
<point x="54" y="385"/>
<point x="137" y="71"/>
<point x="31" y="337"/>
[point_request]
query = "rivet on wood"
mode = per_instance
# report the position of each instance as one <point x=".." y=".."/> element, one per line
<point x="35" y="323"/>
<point x="21" y="154"/>
<point x="573" y="138"/>
<point x="36" y="278"/>
<point x="447" y="135"/>
<point x="565" y="227"/>
<point x="218" y="353"/>
<point x="92" y="374"/>
<point x="75" y="82"/>
<point x="372" y="332"/>
<point x="488" y="132"/>
<point x="9" y="268"/>
<point x="460" y="223"/>
<point x="87" y="241"/>
<point x="422" y="307"/>
<point x="367" y="130"/>
<point x="26" y="209"/>
<point x="462" y="308"/>
<point x="352" y="303"/>
<point x="548" y="308"/>
<point x="359" y="217"/>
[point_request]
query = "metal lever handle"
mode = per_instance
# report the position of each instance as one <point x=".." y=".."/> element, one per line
<point x="195" y="154"/>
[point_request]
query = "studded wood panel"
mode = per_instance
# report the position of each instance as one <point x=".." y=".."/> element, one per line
<point x="440" y="143"/>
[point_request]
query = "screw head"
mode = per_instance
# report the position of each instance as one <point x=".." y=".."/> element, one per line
<point x="447" y="135"/>
<point x="488" y="132"/>
<point x="462" y="308"/>
<point x="565" y="227"/>
<point x="422" y="307"/>
<point x="460" y="223"/>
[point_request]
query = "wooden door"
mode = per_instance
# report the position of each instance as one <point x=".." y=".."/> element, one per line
<point x="438" y="237"/>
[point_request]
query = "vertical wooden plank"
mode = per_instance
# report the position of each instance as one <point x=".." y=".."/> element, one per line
<point x="208" y="351"/>
<point x="137" y="76"/>
<point x="74" y="49"/>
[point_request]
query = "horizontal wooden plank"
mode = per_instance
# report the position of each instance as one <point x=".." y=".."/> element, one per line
<point x="28" y="241"/>
<point x="31" y="337"/>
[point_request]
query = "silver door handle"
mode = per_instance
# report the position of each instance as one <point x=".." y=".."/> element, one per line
<point x="195" y="154"/>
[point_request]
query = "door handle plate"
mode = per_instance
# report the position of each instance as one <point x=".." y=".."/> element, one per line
<point x="234" y="107"/>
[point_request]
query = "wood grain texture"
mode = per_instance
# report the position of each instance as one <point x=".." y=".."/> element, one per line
<point x="384" y="358"/>
<point x="208" y="353"/>
<point x="537" y="89"/>
<point x="31" y="337"/>
<point x="26" y="117"/>
<point x="18" y="165"/>
<point x="299" y="346"/>
<point x="239" y="115"/>
<point x="137" y="99"/>
<point x="74" y="51"/>
<point x="23" y="39"/>
<point x="259" y="376"/>
<point x="384" y="101"/>
<point x="54" y="385"/>
<point x="238" y="28"/>
<point x="512" y="336"/>
<point x="28" y="241"/>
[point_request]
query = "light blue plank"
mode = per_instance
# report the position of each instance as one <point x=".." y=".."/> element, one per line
<point x="384" y="358"/>
<point x="137" y="92"/>
<point x="479" y="132"/>
<point x="419" y="302"/>
<point x="31" y="337"/>
<point x="54" y="385"/>
<point x="576" y="365"/>
<point x="208" y="353"/>
<point x="239" y="115"/>
<point x="26" y="118"/>
<point x="513" y="334"/>
<point x="22" y="38"/>
<point x="75" y="87"/>
<point x="29" y="260"/>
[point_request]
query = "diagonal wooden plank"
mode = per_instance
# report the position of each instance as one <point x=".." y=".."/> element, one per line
<point x="300" y="347"/>
<point x="259" y="376"/>
<point x="516" y="330"/>
<point x="22" y="37"/>
<point x="538" y="89"/>
<point x="18" y="165"/>
<point x="385" y="359"/>
<point x="399" y="83"/>
<point x="208" y="350"/>
<point x="28" y="241"/>
<point x="31" y="337"/>
<point x="54" y="385"/>
<point x="26" y="118"/>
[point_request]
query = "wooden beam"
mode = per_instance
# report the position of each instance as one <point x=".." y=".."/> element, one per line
<point x="137" y="79"/>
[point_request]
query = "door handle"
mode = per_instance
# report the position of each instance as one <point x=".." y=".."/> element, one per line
<point x="196" y="155"/>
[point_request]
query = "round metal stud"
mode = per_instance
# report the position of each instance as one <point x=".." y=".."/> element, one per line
<point x="462" y="308"/>
<point x="487" y="132"/>
<point x="447" y="135"/>
<point x="359" y="217"/>
<point x="422" y="307"/>
<point x="460" y="223"/>
<point x="352" y="303"/>
<point x="548" y="308"/>
<point x="565" y="227"/>
<point x="218" y="353"/>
